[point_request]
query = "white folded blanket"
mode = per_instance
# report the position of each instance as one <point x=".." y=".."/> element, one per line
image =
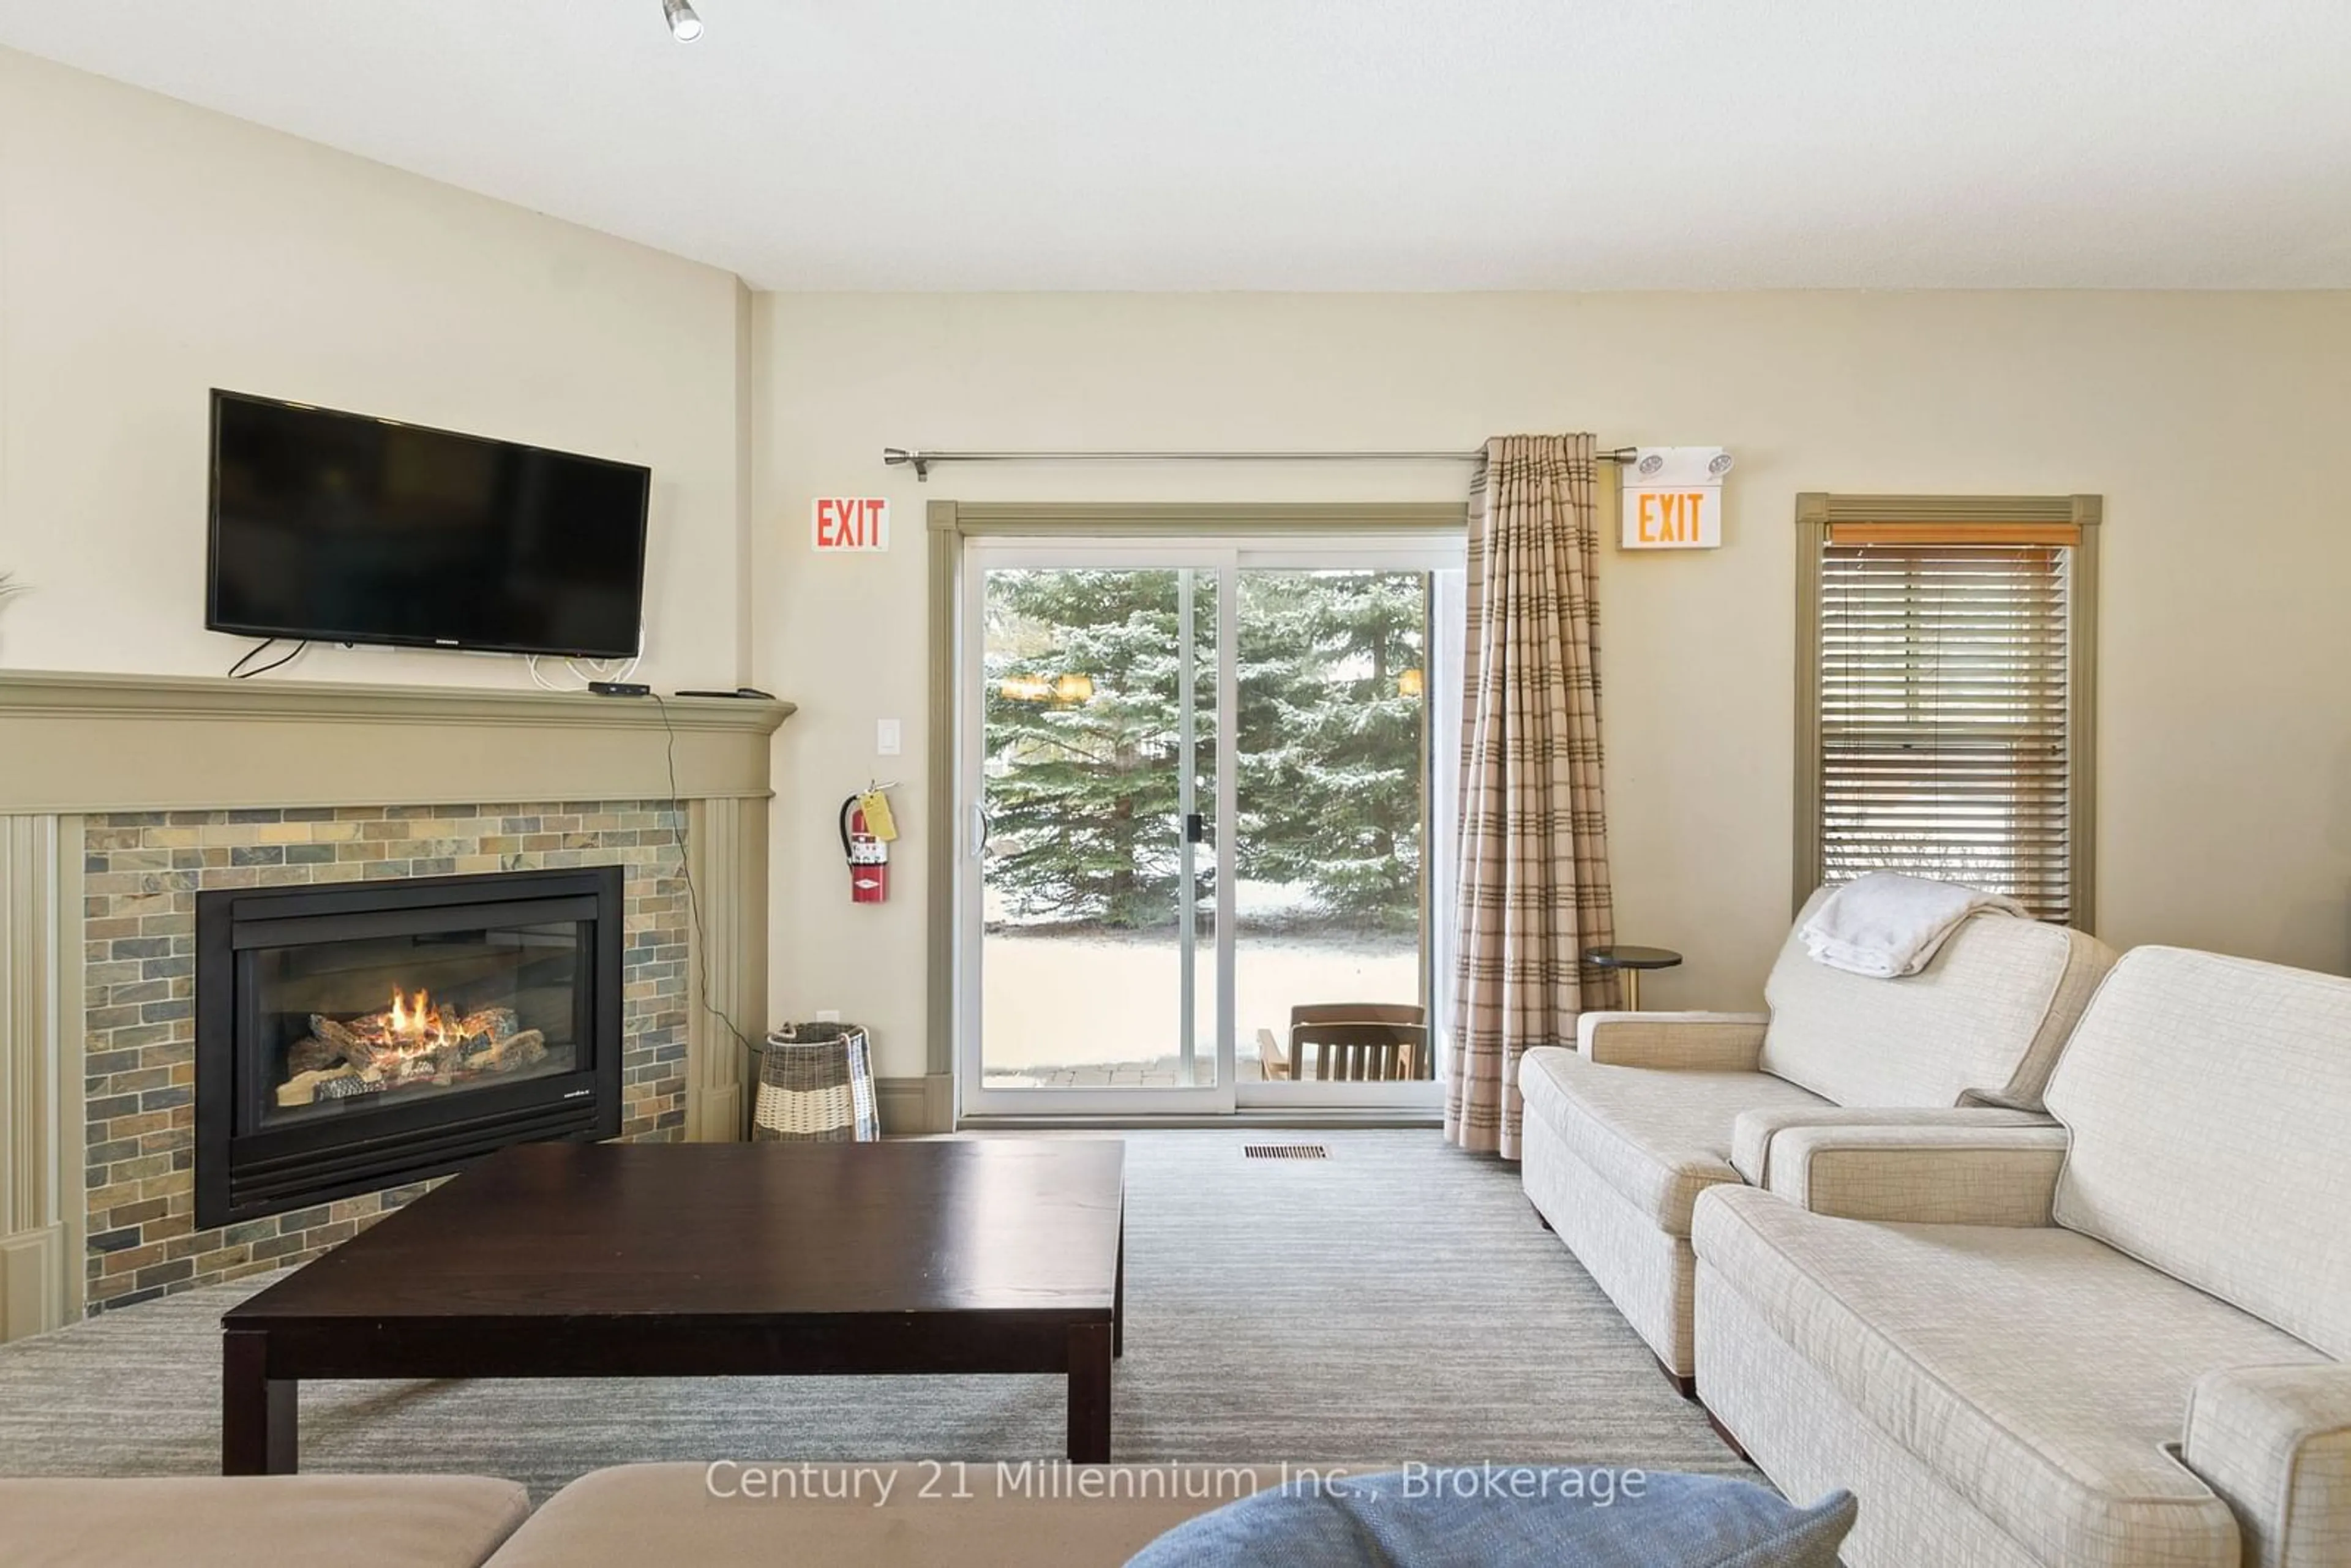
<point x="1885" y="924"/>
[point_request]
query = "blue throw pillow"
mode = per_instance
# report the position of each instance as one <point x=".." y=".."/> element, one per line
<point x="1472" y="1516"/>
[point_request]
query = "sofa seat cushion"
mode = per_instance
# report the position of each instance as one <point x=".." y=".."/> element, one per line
<point x="235" y="1522"/>
<point x="1659" y="1138"/>
<point x="2039" y="1372"/>
<point x="925" y="1515"/>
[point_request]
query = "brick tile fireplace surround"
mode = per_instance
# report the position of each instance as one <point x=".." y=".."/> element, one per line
<point x="123" y="799"/>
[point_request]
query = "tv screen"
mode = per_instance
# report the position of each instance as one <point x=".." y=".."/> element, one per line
<point x="335" y="528"/>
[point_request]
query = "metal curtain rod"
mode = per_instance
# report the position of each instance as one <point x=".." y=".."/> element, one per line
<point x="921" y="461"/>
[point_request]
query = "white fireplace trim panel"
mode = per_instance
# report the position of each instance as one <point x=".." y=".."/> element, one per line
<point x="40" y="1075"/>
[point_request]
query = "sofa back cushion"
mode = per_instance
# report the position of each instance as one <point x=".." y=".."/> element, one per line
<point x="1982" y="1024"/>
<point x="2209" y="1102"/>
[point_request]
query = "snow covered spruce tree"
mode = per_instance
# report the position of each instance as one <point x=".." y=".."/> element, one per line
<point x="1082" y="742"/>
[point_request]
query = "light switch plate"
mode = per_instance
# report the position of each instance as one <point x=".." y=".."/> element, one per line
<point x="827" y="1015"/>
<point x="887" y="737"/>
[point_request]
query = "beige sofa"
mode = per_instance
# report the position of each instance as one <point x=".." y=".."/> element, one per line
<point x="1623" y="1133"/>
<point x="2114" y="1343"/>
<point x="780" y="1515"/>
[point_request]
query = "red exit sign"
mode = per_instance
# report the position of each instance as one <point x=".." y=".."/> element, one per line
<point x="850" y="523"/>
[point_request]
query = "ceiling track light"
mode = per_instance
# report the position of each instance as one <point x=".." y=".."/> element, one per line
<point x="683" y="25"/>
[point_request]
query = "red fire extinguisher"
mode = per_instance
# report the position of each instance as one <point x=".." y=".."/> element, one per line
<point x="868" y="851"/>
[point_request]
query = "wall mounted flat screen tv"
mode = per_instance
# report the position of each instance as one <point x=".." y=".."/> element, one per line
<point x="336" y="528"/>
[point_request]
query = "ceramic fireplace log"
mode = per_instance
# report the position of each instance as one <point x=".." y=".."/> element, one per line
<point x="311" y="1055"/>
<point x="495" y="1022"/>
<point x="302" y="1089"/>
<point x="515" y="1050"/>
<point x="314" y="1063"/>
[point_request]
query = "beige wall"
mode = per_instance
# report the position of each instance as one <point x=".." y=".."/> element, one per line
<point x="2205" y="420"/>
<point x="149" y="251"/>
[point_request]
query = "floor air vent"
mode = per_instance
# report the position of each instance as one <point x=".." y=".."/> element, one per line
<point x="1285" y="1152"/>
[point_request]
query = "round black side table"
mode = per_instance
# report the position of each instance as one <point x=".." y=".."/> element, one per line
<point x="1628" y="963"/>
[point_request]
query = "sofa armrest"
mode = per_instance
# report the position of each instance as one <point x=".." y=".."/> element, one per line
<point x="1691" y="1042"/>
<point x="2275" y="1442"/>
<point x="1751" y="1134"/>
<point x="1928" y="1175"/>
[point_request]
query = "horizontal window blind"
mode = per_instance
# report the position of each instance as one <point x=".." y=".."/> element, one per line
<point x="1944" y="689"/>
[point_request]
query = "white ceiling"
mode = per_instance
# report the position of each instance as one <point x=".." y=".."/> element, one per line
<point x="1329" y="145"/>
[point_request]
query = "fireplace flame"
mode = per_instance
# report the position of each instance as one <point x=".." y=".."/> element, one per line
<point x="419" y="1027"/>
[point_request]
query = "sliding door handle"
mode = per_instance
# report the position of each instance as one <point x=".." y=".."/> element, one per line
<point x="1196" y="828"/>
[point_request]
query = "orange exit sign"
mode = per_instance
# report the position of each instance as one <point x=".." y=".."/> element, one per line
<point x="840" y="524"/>
<point x="1672" y="518"/>
<point x="1672" y="497"/>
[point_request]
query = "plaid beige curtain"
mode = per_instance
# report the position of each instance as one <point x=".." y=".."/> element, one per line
<point x="1534" y="833"/>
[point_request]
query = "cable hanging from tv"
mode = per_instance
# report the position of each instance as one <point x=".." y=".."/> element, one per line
<point x="237" y="671"/>
<point x="592" y="676"/>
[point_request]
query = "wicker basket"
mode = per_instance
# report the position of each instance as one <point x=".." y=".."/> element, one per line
<point x="816" y="1081"/>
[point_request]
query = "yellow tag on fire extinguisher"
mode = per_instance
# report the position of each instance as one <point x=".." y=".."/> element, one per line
<point x="878" y="822"/>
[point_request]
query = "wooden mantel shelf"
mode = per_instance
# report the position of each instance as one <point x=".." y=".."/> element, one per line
<point x="28" y="691"/>
<point x="72" y="742"/>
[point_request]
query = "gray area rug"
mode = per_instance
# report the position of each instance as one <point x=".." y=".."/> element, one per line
<point x="1395" y="1301"/>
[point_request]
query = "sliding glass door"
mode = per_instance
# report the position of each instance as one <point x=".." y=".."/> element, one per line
<point x="1091" y="776"/>
<point x="1334" y="943"/>
<point x="1162" y="910"/>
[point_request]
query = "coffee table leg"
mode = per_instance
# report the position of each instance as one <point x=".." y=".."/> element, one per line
<point x="1089" y="1352"/>
<point x="259" y="1436"/>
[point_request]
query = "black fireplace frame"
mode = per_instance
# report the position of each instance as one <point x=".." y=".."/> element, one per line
<point x="245" y="1172"/>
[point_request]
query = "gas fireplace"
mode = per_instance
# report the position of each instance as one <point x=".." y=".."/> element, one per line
<point x="354" y="1036"/>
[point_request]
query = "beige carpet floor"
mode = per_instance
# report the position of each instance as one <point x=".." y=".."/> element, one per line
<point x="1395" y="1301"/>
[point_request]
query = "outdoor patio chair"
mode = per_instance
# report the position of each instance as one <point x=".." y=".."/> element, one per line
<point x="1352" y="1041"/>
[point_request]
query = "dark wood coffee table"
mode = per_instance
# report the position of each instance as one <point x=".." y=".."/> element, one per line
<point x="988" y="1255"/>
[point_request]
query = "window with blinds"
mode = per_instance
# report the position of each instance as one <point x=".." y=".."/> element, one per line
<point x="1947" y="693"/>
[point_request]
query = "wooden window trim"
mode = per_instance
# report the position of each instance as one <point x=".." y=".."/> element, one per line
<point x="1822" y="519"/>
<point x="2067" y="534"/>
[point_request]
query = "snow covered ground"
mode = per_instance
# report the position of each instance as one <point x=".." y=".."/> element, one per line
<point x="1056" y="1000"/>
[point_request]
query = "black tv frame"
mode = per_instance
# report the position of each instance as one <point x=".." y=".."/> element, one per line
<point x="213" y="621"/>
